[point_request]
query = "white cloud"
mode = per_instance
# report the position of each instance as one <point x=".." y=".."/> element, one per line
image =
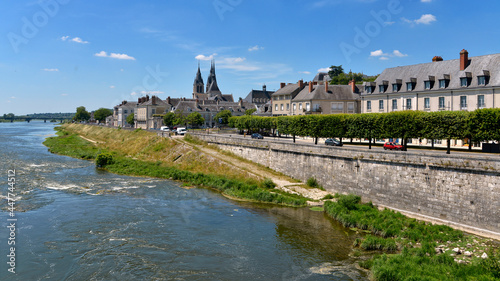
<point x="146" y="93"/>
<point x="103" y="54"/>
<point x="384" y="56"/>
<point x="377" y="53"/>
<point x="50" y="69"/>
<point x="426" y="1"/>
<point x="325" y="69"/>
<point x="239" y="64"/>
<point x="397" y="53"/>
<point x="255" y="48"/>
<point x="79" y="40"/>
<point x="203" y="57"/>
<point x="12" y="97"/>
<point x="111" y="87"/>
<point x="424" y="19"/>
<point x="76" y="40"/>
<point x="305" y="72"/>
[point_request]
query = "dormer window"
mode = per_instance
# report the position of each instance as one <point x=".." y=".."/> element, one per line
<point x="483" y="80"/>
<point x="465" y="82"/>
<point x="428" y="85"/>
<point x="382" y="88"/>
<point x="369" y="89"/>
<point x="396" y="87"/>
<point x="443" y="83"/>
<point x="410" y="86"/>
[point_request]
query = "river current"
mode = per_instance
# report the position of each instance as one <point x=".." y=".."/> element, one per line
<point x="74" y="222"/>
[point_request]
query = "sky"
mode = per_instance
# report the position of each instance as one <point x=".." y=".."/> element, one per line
<point x="57" y="55"/>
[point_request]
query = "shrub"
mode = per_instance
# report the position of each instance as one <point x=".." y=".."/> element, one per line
<point x="268" y="184"/>
<point x="328" y="196"/>
<point x="312" y="182"/>
<point x="104" y="159"/>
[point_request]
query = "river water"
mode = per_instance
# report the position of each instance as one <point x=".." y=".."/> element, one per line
<point x="74" y="222"/>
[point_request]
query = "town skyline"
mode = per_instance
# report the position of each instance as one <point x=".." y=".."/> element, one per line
<point x="59" y="55"/>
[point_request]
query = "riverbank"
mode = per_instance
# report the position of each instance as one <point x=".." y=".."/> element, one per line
<point x="409" y="247"/>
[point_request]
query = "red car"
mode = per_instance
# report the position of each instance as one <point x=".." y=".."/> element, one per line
<point x="393" y="145"/>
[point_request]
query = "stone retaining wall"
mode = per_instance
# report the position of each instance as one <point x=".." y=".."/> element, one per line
<point x="461" y="191"/>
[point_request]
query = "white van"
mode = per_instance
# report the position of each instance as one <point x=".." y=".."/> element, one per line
<point x="165" y="128"/>
<point x="181" y="131"/>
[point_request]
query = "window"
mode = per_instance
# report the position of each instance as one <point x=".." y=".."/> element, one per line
<point x="464" y="82"/>
<point x="381" y="105"/>
<point x="350" y="107"/>
<point x="441" y="103"/>
<point x="300" y="106"/>
<point x="443" y="83"/>
<point x="316" y="107"/>
<point x="480" y="101"/>
<point x="396" y="87"/>
<point x="410" y="86"/>
<point x="153" y="111"/>
<point x="394" y="104"/>
<point x="382" y="88"/>
<point x="294" y="107"/>
<point x="369" y="89"/>
<point x="337" y="107"/>
<point x="428" y="85"/>
<point x="482" y="80"/>
<point x="275" y="107"/>
<point x="408" y="104"/>
<point x="368" y="105"/>
<point x="125" y="112"/>
<point x="427" y="103"/>
<point x="308" y="107"/>
<point x="463" y="102"/>
<point x="282" y="107"/>
<point x="287" y="106"/>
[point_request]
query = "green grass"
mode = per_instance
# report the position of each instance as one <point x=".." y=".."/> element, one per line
<point x="74" y="146"/>
<point x="418" y="260"/>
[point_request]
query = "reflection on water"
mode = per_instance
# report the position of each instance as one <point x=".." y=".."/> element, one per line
<point x="78" y="223"/>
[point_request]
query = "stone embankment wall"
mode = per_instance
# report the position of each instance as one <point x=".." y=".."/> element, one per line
<point x="461" y="191"/>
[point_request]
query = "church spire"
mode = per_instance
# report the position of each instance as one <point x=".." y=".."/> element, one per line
<point x="198" y="84"/>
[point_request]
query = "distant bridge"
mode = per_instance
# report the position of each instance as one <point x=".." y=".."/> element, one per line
<point x="28" y="118"/>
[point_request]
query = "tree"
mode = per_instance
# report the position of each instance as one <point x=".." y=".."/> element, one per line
<point x="195" y="119"/>
<point x="223" y="117"/>
<point x="168" y="119"/>
<point x="335" y="71"/>
<point x="179" y="119"/>
<point x="102" y="113"/>
<point x="250" y="111"/>
<point x="131" y="119"/>
<point x="81" y="114"/>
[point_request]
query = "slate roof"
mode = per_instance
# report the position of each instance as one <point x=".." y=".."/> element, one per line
<point x="259" y="95"/>
<point x="335" y="92"/>
<point x="288" y="89"/>
<point x="212" y="106"/>
<point x="322" y="76"/>
<point x="421" y="72"/>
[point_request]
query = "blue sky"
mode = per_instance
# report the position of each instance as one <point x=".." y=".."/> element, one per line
<point x="56" y="55"/>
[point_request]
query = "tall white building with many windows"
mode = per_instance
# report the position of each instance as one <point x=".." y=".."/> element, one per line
<point x="460" y="84"/>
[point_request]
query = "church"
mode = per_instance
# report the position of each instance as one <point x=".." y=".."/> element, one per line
<point x="211" y="91"/>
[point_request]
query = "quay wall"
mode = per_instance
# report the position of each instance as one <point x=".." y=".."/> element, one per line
<point x="457" y="190"/>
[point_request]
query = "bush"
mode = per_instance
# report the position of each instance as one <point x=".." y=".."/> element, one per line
<point x="268" y="184"/>
<point x="104" y="159"/>
<point x="328" y="196"/>
<point x="312" y="182"/>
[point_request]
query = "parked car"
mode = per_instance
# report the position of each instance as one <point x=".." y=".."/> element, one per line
<point x="333" y="142"/>
<point x="181" y="131"/>
<point x="393" y="145"/>
<point x="257" y="136"/>
<point x="165" y="128"/>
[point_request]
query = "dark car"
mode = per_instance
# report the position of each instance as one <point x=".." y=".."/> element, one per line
<point x="257" y="136"/>
<point x="333" y="142"/>
<point x="393" y="145"/>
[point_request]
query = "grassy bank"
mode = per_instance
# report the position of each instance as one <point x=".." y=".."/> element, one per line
<point x="414" y="250"/>
<point x="138" y="154"/>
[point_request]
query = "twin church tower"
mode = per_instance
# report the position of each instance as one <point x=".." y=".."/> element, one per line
<point x="211" y="92"/>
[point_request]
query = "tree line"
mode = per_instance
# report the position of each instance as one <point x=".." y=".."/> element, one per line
<point x="479" y="125"/>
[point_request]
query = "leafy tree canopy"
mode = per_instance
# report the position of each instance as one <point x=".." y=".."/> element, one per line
<point x="195" y="119"/>
<point x="250" y="111"/>
<point x="223" y="116"/>
<point x="81" y="114"/>
<point x="168" y="119"/>
<point x="130" y="119"/>
<point x="339" y="77"/>
<point x="102" y="113"/>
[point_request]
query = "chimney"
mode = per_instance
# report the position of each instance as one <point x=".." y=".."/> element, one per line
<point x="301" y="84"/>
<point x="326" y="86"/>
<point x="240" y="102"/>
<point x="282" y="85"/>
<point x="153" y="100"/>
<point x="311" y="87"/>
<point x="147" y="97"/>
<point x="437" y="58"/>
<point x="196" y="103"/>
<point x="168" y="100"/>
<point x="352" y="83"/>
<point x="464" y="59"/>
<point x="264" y="88"/>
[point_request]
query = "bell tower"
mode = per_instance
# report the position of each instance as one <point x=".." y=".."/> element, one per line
<point x="198" y="85"/>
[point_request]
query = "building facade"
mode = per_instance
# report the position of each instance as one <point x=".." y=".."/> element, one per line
<point x="281" y="103"/>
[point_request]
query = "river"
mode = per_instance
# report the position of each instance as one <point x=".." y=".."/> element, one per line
<point x="74" y="222"/>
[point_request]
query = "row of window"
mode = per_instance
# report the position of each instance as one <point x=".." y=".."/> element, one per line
<point x="336" y="107"/>
<point x="443" y="84"/>
<point x="283" y="97"/>
<point x="427" y="104"/>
